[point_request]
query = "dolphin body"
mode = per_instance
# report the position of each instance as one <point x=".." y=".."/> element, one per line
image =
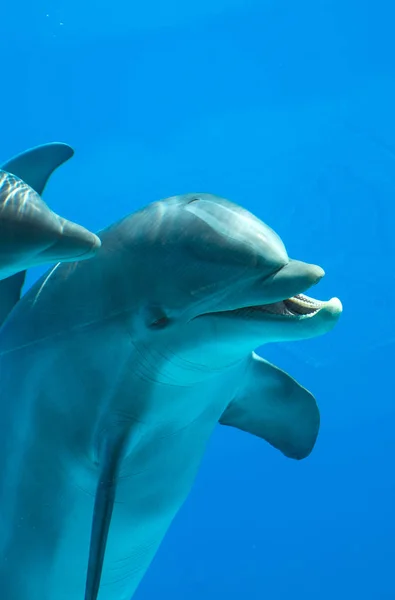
<point x="30" y="233"/>
<point x="114" y="373"/>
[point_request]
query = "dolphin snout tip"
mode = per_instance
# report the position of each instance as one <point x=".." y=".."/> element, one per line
<point x="93" y="243"/>
<point x="74" y="243"/>
<point x="317" y="273"/>
<point x="334" y="306"/>
<point x="78" y="242"/>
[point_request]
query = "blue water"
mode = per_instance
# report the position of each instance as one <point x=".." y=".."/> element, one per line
<point x="288" y="109"/>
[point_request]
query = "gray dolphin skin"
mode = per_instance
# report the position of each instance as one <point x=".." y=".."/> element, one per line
<point x="114" y="373"/>
<point x="30" y="233"/>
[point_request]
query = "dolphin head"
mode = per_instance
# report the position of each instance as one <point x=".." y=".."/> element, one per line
<point x="30" y="233"/>
<point x="222" y="278"/>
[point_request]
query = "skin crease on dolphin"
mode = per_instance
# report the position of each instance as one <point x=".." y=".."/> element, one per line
<point x="114" y="373"/>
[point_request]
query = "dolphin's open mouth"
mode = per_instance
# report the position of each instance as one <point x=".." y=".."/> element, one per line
<point x="297" y="306"/>
<point x="282" y="302"/>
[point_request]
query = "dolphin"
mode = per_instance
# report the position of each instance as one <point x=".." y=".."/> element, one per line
<point x="30" y="233"/>
<point x="114" y="373"/>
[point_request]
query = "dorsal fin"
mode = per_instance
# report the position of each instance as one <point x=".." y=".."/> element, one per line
<point x="36" y="165"/>
<point x="10" y="293"/>
<point x="111" y="457"/>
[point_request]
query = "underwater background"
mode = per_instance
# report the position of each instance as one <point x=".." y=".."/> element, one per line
<point x="288" y="109"/>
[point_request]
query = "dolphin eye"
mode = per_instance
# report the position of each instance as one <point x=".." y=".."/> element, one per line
<point x="160" y="323"/>
<point x="156" y="318"/>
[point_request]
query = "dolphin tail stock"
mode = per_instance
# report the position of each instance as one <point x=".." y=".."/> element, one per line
<point x="273" y="406"/>
<point x="111" y="456"/>
<point x="36" y="165"/>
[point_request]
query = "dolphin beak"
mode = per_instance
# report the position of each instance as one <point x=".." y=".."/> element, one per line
<point x="293" y="278"/>
<point x="74" y="243"/>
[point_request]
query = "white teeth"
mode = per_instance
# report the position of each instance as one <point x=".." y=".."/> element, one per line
<point x="306" y="301"/>
<point x="301" y="306"/>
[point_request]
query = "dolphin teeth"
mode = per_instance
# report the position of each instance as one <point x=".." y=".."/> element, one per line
<point x="303" y="305"/>
<point x="299" y="305"/>
<point x="304" y="300"/>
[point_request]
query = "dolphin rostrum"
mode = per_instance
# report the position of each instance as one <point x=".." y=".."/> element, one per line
<point x="113" y="375"/>
<point x="30" y="233"/>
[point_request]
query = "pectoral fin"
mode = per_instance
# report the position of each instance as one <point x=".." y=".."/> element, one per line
<point x="273" y="406"/>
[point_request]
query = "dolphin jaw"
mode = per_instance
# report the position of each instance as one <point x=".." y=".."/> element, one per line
<point x="301" y="307"/>
<point x="295" y="308"/>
